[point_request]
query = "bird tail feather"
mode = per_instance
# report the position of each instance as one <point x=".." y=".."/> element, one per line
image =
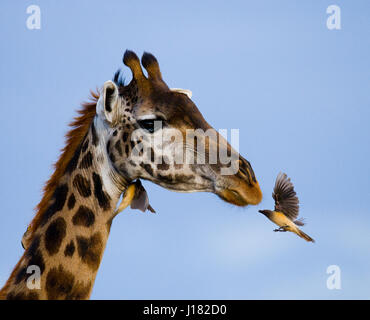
<point x="305" y="236"/>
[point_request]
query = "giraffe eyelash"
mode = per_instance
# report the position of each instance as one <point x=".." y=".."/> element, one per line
<point x="149" y="124"/>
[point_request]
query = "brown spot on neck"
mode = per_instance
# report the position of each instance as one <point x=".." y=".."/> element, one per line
<point x="90" y="250"/>
<point x="54" y="235"/>
<point x="83" y="217"/>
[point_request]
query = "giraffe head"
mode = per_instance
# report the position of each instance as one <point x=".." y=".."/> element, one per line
<point x="158" y="134"/>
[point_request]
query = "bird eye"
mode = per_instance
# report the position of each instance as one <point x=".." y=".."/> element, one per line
<point x="149" y="124"/>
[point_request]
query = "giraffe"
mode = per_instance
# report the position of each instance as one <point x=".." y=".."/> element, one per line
<point x="67" y="237"/>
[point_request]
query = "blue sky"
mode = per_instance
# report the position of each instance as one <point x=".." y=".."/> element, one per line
<point x="298" y="92"/>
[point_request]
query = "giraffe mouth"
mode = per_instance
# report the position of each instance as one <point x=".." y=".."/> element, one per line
<point x="233" y="197"/>
<point x="242" y="194"/>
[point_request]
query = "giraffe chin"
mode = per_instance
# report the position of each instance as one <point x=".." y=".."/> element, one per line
<point x="242" y="196"/>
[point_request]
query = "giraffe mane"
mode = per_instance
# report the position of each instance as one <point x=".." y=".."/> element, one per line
<point x="80" y="126"/>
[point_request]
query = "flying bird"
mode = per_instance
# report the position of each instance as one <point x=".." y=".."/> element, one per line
<point x="286" y="208"/>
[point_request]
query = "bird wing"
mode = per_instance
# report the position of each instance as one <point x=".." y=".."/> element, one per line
<point x="135" y="195"/>
<point x="285" y="197"/>
<point x="141" y="200"/>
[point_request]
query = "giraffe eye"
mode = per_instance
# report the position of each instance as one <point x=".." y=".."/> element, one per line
<point x="150" y="125"/>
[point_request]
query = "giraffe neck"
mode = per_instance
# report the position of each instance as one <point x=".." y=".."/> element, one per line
<point x="68" y="244"/>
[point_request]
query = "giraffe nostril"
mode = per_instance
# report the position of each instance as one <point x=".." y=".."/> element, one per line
<point x="243" y="168"/>
<point x="235" y="193"/>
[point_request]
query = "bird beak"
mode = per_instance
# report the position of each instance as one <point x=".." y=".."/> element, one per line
<point x="265" y="212"/>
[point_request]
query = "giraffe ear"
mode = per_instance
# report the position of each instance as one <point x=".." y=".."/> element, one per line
<point x="184" y="91"/>
<point x="107" y="106"/>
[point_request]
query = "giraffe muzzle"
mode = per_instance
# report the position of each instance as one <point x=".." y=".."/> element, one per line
<point x="241" y="189"/>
